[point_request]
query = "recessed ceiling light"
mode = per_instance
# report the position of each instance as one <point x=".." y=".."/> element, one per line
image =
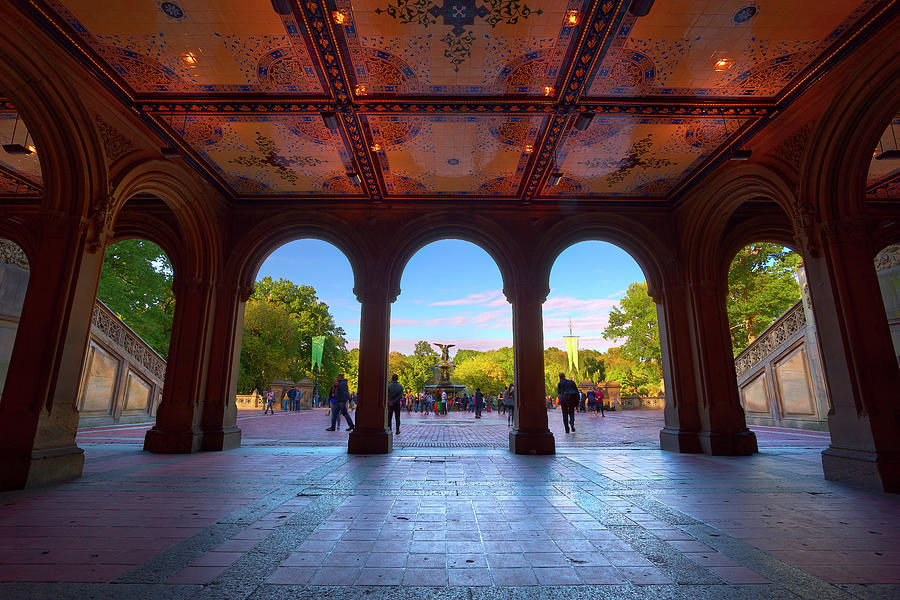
<point x="723" y="64"/>
<point x="340" y="17"/>
<point x="360" y="90"/>
<point x="572" y="18"/>
<point x="376" y="147"/>
<point x="529" y="148"/>
<point x="548" y="90"/>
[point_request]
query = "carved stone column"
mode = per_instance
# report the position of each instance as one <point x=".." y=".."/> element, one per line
<point x="219" y="420"/>
<point x="177" y="428"/>
<point x="370" y="434"/>
<point x="682" y="420"/>
<point x="38" y="415"/>
<point x="530" y="433"/>
<point x="723" y="429"/>
<point x="858" y="355"/>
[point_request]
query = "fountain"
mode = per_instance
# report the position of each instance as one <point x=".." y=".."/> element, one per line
<point x="444" y="367"/>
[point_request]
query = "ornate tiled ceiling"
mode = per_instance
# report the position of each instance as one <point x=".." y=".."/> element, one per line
<point x="474" y="99"/>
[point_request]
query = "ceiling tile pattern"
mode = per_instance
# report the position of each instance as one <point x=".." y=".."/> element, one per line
<point x="453" y="98"/>
<point x="635" y="155"/>
<point x="715" y="48"/>
<point x="454" y="154"/>
<point x="267" y="154"/>
<point x="457" y="47"/>
<point x="195" y="46"/>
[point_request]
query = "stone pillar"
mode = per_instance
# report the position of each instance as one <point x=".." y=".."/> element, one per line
<point x="370" y="434"/>
<point x="38" y="414"/>
<point x="858" y="354"/>
<point x="682" y="420"/>
<point x="177" y="428"/>
<point x="530" y="433"/>
<point x="723" y="429"/>
<point x="219" y="411"/>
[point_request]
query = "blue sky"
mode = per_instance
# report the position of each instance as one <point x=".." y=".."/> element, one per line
<point x="451" y="292"/>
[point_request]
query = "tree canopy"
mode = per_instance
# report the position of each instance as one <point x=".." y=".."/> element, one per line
<point x="136" y="284"/>
<point x="762" y="285"/>
<point x="637" y="362"/>
<point x="280" y="320"/>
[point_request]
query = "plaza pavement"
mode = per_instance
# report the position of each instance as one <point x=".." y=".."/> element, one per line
<point x="291" y="515"/>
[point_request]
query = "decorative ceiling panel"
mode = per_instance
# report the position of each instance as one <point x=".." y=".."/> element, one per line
<point x="721" y="48"/>
<point x="269" y="154"/>
<point x="884" y="175"/>
<point x="453" y="154"/>
<point x="453" y="47"/>
<point x="19" y="173"/>
<point x="193" y="46"/>
<point x="636" y="156"/>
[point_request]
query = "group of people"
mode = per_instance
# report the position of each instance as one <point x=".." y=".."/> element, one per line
<point x="291" y="400"/>
<point x="569" y="399"/>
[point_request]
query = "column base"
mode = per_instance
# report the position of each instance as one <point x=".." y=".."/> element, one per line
<point x="41" y="467"/>
<point x="223" y="439"/>
<point x="739" y="443"/>
<point x="527" y="442"/>
<point x="673" y="439"/>
<point x="861" y="468"/>
<point x="370" y="442"/>
<point x="172" y="442"/>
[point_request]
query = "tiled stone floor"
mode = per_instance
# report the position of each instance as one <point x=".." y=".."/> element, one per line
<point x="267" y="521"/>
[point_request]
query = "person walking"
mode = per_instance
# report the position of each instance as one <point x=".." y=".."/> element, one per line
<point x="568" y="400"/>
<point x="509" y="401"/>
<point x="270" y="401"/>
<point x="600" y="398"/>
<point x="339" y="399"/>
<point x="395" y="400"/>
<point x="479" y="402"/>
<point x="592" y="404"/>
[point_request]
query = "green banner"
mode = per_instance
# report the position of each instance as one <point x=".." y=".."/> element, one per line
<point x="318" y="346"/>
<point x="572" y="351"/>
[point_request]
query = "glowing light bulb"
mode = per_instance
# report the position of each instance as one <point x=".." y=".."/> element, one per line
<point x="548" y="90"/>
<point x="529" y="148"/>
<point x="723" y="64"/>
<point x="572" y="18"/>
<point x="360" y="90"/>
<point x="340" y="17"/>
<point x="190" y="58"/>
<point x="376" y="147"/>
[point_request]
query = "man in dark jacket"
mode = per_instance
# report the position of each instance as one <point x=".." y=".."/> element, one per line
<point x="568" y="400"/>
<point x="479" y="402"/>
<point x="340" y="397"/>
<point x="395" y="400"/>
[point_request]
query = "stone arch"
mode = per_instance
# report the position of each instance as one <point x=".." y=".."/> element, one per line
<point x="834" y="170"/>
<point x="644" y="246"/>
<point x="70" y="151"/>
<point x="773" y="227"/>
<point x="417" y="234"/>
<point x="258" y="242"/>
<point x="196" y="242"/>
<point x="147" y="227"/>
<point x="707" y="227"/>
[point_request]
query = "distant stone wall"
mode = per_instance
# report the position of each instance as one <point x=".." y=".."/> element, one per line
<point x="122" y="377"/>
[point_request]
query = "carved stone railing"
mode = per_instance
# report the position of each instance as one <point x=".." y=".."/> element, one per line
<point x="774" y="336"/>
<point x="127" y="340"/>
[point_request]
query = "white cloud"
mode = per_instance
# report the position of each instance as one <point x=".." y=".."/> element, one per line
<point x="487" y="319"/>
<point x="617" y="294"/>
<point x="491" y="298"/>
<point x="569" y="304"/>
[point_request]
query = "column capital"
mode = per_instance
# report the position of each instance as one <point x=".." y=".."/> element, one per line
<point x="526" y="287"/>
<point x="99" y="223"/>
<point x="374" y="291"/>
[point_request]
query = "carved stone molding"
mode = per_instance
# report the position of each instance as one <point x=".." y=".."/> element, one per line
<point x="114" y="143"/>
<point x="772" y="338"/>
<point x="791" y="149"/>
<point x="888" y="258"/>
<point x="12" y="254"/>
<point x="127" y="340"/>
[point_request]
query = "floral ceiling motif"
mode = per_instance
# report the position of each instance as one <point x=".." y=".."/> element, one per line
<point x="446" y="98"/>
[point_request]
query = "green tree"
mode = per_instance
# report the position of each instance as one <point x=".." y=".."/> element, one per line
<point x="417" y="370"/>
<point x="310" y="317"/>
<point x="637" y="363"/>
<point x="136" y="284"/>
<point x="270" y="343"/>
<point x="762" y="285"/>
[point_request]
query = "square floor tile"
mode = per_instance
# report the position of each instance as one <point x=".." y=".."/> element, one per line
<point x="334" y="576"/>
<point x="600" y="575"/>
<point x="466" y="561"/>
<point x="291" y="575"/>
<point x="644" y="575"/>
<point x="425" y="577"/>
<point x="470" y="577"/>
<point x="426" y="561"/>
<point x="304" y="559"/>
<point x="519" y="576"/>
<point x="380" y="576"/>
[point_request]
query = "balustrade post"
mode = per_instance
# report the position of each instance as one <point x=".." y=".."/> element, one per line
<point x="723" y="429"/>
<point x="371" y="434"/>
<point x="860" y="366"/>
<point x="177" y="428"/>
<point x="530" y="433"/>
<point x="38" y="414"/>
